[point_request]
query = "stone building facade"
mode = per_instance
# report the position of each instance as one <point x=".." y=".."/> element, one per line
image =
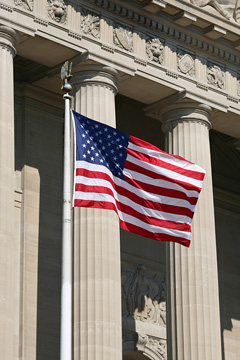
<point x="166" y="71"/>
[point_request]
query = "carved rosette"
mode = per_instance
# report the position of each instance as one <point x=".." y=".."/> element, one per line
<point x="57" y="11"/>
<point x="215" y="76"/>
<point x="186" y="63"/>
<point x="25" y="4"/>
<point x="155" y="50"/>
<point x="143" y="297"/>
<point x="123" y="37"/>
<point x="91" y="24"/>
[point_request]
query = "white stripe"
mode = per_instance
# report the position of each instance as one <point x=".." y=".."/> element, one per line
<point x="126" y="201"/>
<point x="136" y="176"/>
<point x="131" y="219"/>
<point x="166" y="158"/>
<point x="162" y="171"/>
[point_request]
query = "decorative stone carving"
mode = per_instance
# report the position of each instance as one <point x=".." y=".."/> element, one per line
<point x="155" y="50"/>
<point x="159" y="345"/>
<point x="91" y="24"/>
<point x="215" y="4"/>
<point x="57" y="11"/>
<point x="123" y="37"/>
<point x="215" y="76"/>
<point x="26" y="4"/>
<point x="143" y="296"/>
<point x="236" y="14"/>
<point x="185" y="63"/>
<point x="238" y="86"/>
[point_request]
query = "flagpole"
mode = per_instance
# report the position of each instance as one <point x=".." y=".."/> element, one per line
<point x="66" y="289"/>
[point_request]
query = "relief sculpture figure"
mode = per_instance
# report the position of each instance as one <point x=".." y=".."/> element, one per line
<point x="215" y="4"/>
<point x="143" y="296"/>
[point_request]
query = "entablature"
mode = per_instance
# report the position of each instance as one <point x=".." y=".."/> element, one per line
<point x="156" y="55"/>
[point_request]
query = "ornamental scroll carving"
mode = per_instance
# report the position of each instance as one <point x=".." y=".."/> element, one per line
<point x="185" y="63"/>
<point x="57" y="11"/>
<point x="155" y="50"/>
<point x="91" y="24"/>
<point x="25" y="4"/>
<point x="143" y="296"/>
<point x="123" y="37"/>
<point x="215" y="76"/>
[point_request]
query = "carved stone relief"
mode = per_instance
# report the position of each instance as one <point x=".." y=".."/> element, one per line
<point x="236" y="14"/>
<point x="230" y="9"/>
<point x="25" y="4"/>
<point x="57" y="11"/>
<point x="238" y="86"/>
<point x="155" y="50"/>
<point x="215" y="76"/>
<point x="186" y="64"/>
<point x="159" y="345"/>
<point x="91" y="24"/>
<point x="143" y="296"/>
<point x="123" y="37"/>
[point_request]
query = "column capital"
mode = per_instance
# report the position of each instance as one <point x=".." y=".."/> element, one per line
<point x="9" y="39"/>
<point x="95" y="74"/>
<point x="185" y="112"/>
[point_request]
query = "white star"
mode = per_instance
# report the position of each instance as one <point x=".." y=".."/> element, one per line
<point x="92" y="147"/>
<point x="84" y="145"/>
<point x="101" y="160"/>
<point x="97" y="154"/>
<point x="88" y="141"/>
<point x="84" y="155"/>
<point x="89" y="152"/>
<point x="83" y="135"/>
<point x="92" y="158"/>
<point x="109" y="136"/>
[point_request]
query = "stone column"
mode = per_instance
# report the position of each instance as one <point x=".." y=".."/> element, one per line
<point x="193" y="298"/>
<point x="97" y="281"/>
<point x="8" y="270"/>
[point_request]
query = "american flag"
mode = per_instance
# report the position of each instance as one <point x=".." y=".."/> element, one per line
<point x="153" y="193"/>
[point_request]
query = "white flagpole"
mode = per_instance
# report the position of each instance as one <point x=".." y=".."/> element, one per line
<point x="66" y="290"/>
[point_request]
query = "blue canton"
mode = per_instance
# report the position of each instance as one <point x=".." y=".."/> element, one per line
<point x="100" y="144"/>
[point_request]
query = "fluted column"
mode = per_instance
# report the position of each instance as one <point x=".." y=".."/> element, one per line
<point x="193" y="301"/>
<point x="8" y="270"/>
<point x="97" y="289"/>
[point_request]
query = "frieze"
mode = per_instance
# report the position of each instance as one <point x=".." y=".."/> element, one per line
<point x="57" y="11"/>
<point x="123" y="37"/>
<point x="143" y="296"/>
<point x="90" y="24"/>
<point x="168" y="31"/>
<point x="186" y="63"/>
<point x="155" y="50"/>
<point x="25" y="4"/>
<point x="215" y="76"/>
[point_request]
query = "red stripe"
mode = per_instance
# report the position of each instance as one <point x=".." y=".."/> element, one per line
<point x="129" y="227"/>
<point x="146" y="145"/>
<point x="171" y="193"/>
<point x="130" y="211"/>
<point x="172" y="209"/>
<point x="163" y="164"/>
<point x="141" y="170"/>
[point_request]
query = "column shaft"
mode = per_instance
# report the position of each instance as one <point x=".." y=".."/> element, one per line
<point x="8" y="270"/>
<point x="193" y="302"/>
<point x="97" y="283"/>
